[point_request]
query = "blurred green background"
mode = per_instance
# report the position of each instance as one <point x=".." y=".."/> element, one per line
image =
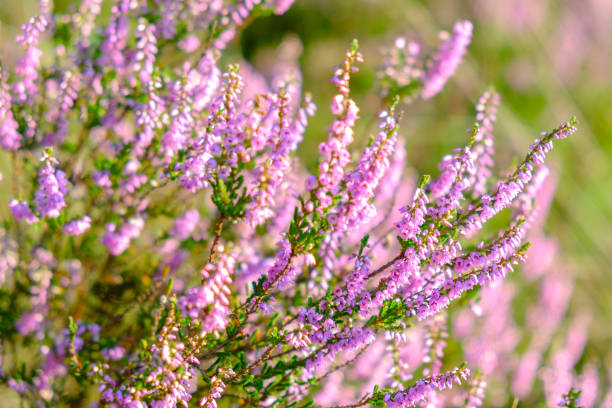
<point x="549" y="60"/>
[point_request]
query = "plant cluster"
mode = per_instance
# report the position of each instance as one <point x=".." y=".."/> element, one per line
<point x="165" y="247"/>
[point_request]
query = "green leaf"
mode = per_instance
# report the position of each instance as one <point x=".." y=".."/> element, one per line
<point x="424" y="180"/>
<point x="364" y="244"/>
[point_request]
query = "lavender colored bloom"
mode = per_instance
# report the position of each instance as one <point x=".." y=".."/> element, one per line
<point x="334" y="152"/>
<point x="447" y="58"/>
<point x="102" y="179"/>
<point x="203" y="81"/>
<point x="401" y="67"/>
<point x="10" y="139"/>
<point x="558" y="376"/>
<point x="486" y="115"/>
<point x="185" y="224"/>
<point x="146" y="50"/>
<point x="347" y="340"/>
<point x="52" y="187"/>
<point x="282" y="6"/>
<point x="510" y="188"/>
<point x="77" y="226"/>
<point x="413" y="216"/>
<point x="114" y="353"/>
<point x="167" y="373"/>
<point x="270" y="176"/>
<point x="424" y="387"/>
<point x="223" y="148"/>
<point x="169" y="13"/>
<point x="209" y="303"/>
<point x="475" y="396"/>
<point x="116" y="35"/>
<point x="67" y="92"/>
<point x="588" y="384"/>
<point x="217" y="387"/>
<point x="149" y="117"/>
<point x="362" y="182"/>
<point x="118" y="240"/>
<point x="21" y="210"/>
<point x="283" y="271"/>
<point x="302" y="289"/>
<point x="27" y="66"/>
<point x="29" y="322"/>
<point x="177" y="137"/>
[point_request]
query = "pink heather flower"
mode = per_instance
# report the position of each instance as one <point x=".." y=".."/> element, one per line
<point x="220" y="151"/>
<point x="21" y="210"/>
<point x="299" y="338"/>
<point x="177" y="137"/>
<point x="335" y="156"/>
<point x="89" y="10"/>
<point x="185" y="224"/>
<point x="114" y="353"/>
<point x="209" y="303"/>
<point x="286" y="73"/>
<point x="203" y="81"/>
<point x="52" y="187"/>
<point x="435" y="342"/>
<point x="413" y="216"/>
<point x="486" y="115"/>
<point x="350" y="339"/>
<point x="116" y="36"/>
<point x="29" y="322"/>
<point x="102" y="179"/>
<point x="146" y="50"/>
<point x="424" y="387"/>
<point x="558" y="376"/>
<point x="274" y="170"/>
<point x="167" y="372"/>
<point x="168" y="12"/>
<point x="588" y="384"/>
<point x="282" y="6"/>
<point x="511" y="187"/>
<point x="363" y="181"/>
<point x="283" y="271"/>
<point x="149" y="117"/>
<point x="10" y="139"/>
<point x="476" y="393"/>
<point x="189" y="44"/>
<point x="67" y="92"/>
<point x="354" y="287"/>
<point x="217" y="387"/>
<point x="142" y="123"/>
<point x="27" y="66"/>
<point x="401" y="68"/>
<point x="117" y="241"/>
<point x="447" y="58"/>
<point x="238" y="14"/>
<point x="77" y="226"/>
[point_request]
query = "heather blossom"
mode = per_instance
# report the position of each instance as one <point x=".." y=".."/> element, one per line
<point x="10" y="139"/>
<point x="53" y="186"/>
<point x="27" y="65"/>
<point x="185" y="224"/>
<point x="447" y="58"/>
<point x="77" y="226"/>
<point x="170" y="249"/>
<point x="334" y="151"/>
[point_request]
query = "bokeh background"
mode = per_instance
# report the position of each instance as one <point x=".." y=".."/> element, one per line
<point x="549" y="60"/>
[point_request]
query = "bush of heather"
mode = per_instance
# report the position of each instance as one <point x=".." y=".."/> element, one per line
<point x="165" y="247"/>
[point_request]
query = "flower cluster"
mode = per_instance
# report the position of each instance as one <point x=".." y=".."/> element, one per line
<point x="335" y="156"/>
<point x="170" y="249"/>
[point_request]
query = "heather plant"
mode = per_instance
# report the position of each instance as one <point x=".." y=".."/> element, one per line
<point x="165" y="246"/>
